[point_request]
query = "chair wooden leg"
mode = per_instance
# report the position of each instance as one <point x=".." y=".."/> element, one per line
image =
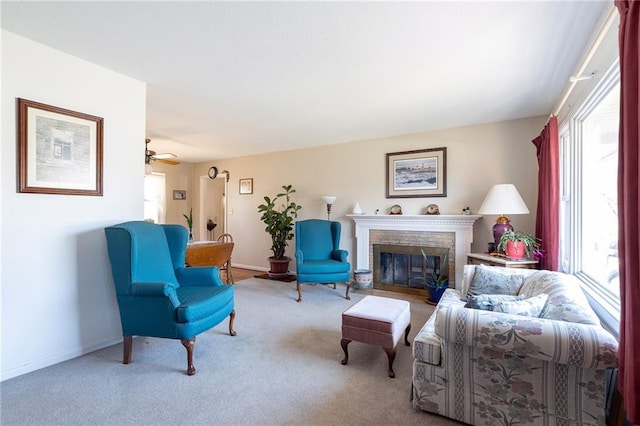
<point x="128" y="347"/>
<point x="189" y="344"/>
<point x="334" y="286"/>
<point x="232" y="318"/>
<point x="299" y="292"/>
<point x="346" y="295"/>
<point x="229" y="273"/>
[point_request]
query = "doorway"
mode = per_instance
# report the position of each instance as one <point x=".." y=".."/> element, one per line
<point x="213" y="206"/>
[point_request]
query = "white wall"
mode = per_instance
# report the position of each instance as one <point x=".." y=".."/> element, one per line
<point x="478" y="157"/>
<point x="58" y="299"/>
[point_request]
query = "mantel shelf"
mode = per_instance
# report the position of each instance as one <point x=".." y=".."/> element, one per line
<point x="452" y="219"/>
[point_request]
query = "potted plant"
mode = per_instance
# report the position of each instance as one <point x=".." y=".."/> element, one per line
<point x="278" y="214"/>
<point x="438" y="282"/>
<point x="189" y="223"/>
<point x="517" y="244"/>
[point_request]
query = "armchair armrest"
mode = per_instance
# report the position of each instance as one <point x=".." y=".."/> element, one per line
<point x="587" y="346"/>
<point x="199" y="276"/>
<point x="299" y="256"/>
<point x="164" y="290"/>
<point x="339" y="255"/>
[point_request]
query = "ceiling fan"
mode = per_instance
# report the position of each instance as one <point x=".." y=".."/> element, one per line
<point x="150" y="156"/>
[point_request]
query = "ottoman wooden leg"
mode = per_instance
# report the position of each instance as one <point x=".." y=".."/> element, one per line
<point x="391" y="354"/>
<point x="406" y="335"/>
<point x="344" y="343"/>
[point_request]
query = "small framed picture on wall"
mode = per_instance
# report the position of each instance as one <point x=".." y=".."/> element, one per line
<point x="246" y="186"/>
<point x="179" y="194"/>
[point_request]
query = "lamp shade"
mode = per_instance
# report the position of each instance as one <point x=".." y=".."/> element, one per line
<point x="503" y="199"/>
<point x="329" y="199"/>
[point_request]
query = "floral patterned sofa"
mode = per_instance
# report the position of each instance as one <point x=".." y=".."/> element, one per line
<point x="536" y="355"/>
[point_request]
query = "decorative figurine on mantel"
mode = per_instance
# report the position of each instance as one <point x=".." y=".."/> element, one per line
<point x="395" y="209"/>
<point x="466" y="210"/>
<point x="432" y="209"/>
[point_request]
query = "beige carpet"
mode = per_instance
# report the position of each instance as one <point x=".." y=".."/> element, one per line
<point x="283" y="368"/>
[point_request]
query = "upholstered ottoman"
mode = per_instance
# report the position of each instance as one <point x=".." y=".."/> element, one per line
<point x="378" y="321"/>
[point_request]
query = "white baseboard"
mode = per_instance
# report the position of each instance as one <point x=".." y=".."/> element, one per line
<point x="251" y="267"/>
<point x="30" y="367"/>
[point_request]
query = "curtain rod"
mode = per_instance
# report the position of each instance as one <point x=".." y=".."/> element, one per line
<point x="611" y="15"/>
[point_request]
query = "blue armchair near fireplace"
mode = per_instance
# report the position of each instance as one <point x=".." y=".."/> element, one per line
<point x="319" y="258"/>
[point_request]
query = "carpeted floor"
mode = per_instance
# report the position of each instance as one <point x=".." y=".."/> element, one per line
<point x="282" y="368"/>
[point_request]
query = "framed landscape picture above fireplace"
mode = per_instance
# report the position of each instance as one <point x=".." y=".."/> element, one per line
<point x="419" y="173"/>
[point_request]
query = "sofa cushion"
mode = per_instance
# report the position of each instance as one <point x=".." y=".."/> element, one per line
<point x="566" y="301"/>
<point x="531" y="307"/>
<point x="494" y="280"/>
<point x="487" y="302"/>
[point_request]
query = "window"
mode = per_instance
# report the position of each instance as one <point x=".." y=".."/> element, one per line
<point x="600" y="191"/>
<point x="589" y="204"/>
<point x="155" y="205"/>
<point x="62" y="142"/>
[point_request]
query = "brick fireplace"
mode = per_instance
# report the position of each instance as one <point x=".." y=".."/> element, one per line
<point x="454" y="232"/>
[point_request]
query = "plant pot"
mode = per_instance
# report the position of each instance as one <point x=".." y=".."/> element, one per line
<point x="515" y="249"/>
<point x="279" y="267"/>
<point x="363" y="278"/>
<point x="435" y="294"/>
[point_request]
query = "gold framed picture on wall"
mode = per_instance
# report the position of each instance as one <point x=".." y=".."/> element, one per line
<point x="420" y="173"/>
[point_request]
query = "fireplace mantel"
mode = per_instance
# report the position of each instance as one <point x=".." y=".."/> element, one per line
<point x="461" y="225"/>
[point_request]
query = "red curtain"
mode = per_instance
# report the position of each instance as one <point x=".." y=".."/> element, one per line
<point x="628" y="219"/>
<point x="548" y="212"/>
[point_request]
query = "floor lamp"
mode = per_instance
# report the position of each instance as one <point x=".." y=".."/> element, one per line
<point x="329" y="199"/>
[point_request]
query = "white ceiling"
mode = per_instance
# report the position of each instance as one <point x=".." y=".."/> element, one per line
<point x="227" y="79"/>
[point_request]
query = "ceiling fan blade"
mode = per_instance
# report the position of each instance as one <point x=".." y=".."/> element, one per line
<point x="170" y="162"/>
<point x="163" y="156"/>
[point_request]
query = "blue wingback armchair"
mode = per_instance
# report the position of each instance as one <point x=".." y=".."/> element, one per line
<point x="318" y="256"/>
<point x="157" y="295"/>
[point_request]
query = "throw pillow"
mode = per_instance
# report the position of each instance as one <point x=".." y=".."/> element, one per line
<point x="531" y="307"/>
<point x="486" y="302"/>
<point x="486" y="280"/>
<point x="566" y="300"/>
